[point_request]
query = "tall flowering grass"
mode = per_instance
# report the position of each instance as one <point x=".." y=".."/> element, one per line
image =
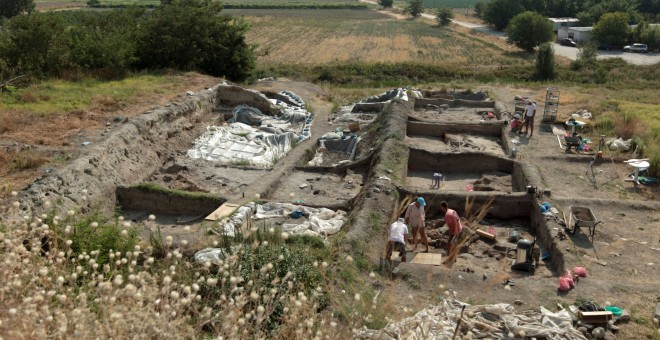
<point x="76" y="276"/>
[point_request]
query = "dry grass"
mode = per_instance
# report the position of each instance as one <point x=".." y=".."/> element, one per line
<point x="55" y="288"/>
<point x="316" y="37"/>
<point x="22" y="160"/>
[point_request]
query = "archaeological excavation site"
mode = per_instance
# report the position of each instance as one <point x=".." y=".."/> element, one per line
<point x="230" y="160"/>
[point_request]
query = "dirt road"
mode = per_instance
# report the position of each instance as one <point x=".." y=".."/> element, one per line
<point x="564" y="51"/>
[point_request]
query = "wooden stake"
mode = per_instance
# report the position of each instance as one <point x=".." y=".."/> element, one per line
<point x="458" y="323"/>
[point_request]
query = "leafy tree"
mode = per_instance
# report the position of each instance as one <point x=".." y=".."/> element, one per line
<point x="612" y="29"/>
<point x="545" y="62"/>
<point x="444" y="16"/>
<point x="595" y="9"/>
<point x="36" y="43"/>
<point x="479" y="9"/>
<point x="639" y="30"/>
<point x="384" y="3"/>
<point x="586" y="56"/>
<point x="528" y="30"/>
<point x="651" y="37"/>
<point x="12" y="8"/>
<point x="193" y="35"/>
<point x="415" y="8"/>
<point x="563" y="8"/>
<point x="499" y="12"/>
<point x="107" y="41"/>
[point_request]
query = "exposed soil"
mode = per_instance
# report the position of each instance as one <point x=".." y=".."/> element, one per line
<point x="457" y="143"/>
<point x="57" y="138"/>
<point x="451" y="115"/>
<point x="621" y="258"/>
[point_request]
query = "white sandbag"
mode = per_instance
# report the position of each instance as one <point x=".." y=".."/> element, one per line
<point x="317" y="160"/>
<point x="213" y="255"/>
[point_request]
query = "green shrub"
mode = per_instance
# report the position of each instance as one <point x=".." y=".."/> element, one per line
<point x="545" y="62"/>
<point x="97" y="233"/>
<point x="386" y="3"/>
<point x="444" y="16"/>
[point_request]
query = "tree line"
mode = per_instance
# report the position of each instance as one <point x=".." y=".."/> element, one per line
<point x="499" y="12"/>
<point x="184" y="35"/>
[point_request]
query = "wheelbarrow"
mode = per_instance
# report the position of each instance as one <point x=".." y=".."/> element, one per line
<point x="582" y="217"/>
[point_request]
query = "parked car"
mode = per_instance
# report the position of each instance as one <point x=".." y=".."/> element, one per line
<point x="643" y="48"/>
<point x="567" y="42"/>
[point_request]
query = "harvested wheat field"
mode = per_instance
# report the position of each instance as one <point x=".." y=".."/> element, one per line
<point x="322" y="36"/>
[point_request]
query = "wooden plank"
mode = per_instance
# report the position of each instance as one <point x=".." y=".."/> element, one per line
<point x="427" y="258"/>
<point x="595" y="317"/>
<point x="485" y="234"/>
<point x="223" y="211"/>
<point x="558" y="129"/>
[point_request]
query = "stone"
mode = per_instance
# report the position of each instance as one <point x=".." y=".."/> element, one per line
<point x="609" y="336"/>
<point x="657" y="311"/>
<point x="625" y="315"/>
<point x="588" y="326"/>
<point x="598" y="333"/>
<point x="583" y="330"/>
<point x="376" y="189"/>
<point x="517" y="302"/>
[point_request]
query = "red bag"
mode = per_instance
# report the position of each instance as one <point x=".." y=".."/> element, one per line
<point x="580" y="271"/>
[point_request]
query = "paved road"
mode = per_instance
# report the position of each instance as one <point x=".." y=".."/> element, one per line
<point x="633" y="58"/>
<point x="571" y="52"/>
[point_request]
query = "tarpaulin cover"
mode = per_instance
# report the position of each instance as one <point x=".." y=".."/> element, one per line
<point x="319" y="222"/>
<point x="483" y="321"/>
<point x="239" y="142"/>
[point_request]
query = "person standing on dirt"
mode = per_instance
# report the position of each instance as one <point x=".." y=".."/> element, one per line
<point x="397" y="240"/>
<point x="453" y="221"/>
<point x="530" y="112"/>
<point x="416" y="218"/>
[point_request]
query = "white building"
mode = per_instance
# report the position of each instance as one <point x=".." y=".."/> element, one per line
<point x="558" y="23"/>
<point x="578" y="34"/>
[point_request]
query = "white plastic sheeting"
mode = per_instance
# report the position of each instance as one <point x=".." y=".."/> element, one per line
<point x="213" y="255"/>
<point x="483" y="321"/>
<point x="318" y="221"/>
<point x="253" y="137"/>
<point x="229" y="225"/>
<point x="321" y="221"/>
<point x="238" y="142"/>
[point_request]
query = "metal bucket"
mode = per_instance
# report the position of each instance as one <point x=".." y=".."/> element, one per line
<point x="514" y="235"/>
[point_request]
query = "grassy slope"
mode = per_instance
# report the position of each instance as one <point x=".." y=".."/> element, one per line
<point x="60" y="96"/>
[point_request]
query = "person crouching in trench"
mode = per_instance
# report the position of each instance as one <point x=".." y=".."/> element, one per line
<point x="453" y="221"/>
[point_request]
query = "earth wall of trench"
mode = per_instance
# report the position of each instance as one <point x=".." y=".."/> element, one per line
<point x="133" y="151"/>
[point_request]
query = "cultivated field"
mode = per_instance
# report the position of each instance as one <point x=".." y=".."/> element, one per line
<point x="323" y="36"/>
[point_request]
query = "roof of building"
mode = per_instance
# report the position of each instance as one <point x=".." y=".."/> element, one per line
<point x="581" y="29"/>
<point x="563" y="19"/>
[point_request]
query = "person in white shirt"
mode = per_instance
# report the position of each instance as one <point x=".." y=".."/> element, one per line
<point x="397" y="240"/>
<point x="530" y="112"/>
